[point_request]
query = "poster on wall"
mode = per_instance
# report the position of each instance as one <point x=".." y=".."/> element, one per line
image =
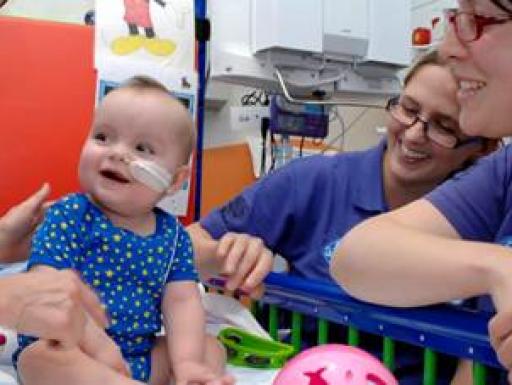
<point x="153" y="32"/>
<point x="153" y="38"/>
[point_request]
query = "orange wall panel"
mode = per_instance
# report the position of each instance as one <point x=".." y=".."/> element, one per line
<point x="226" y="172"/>
<point x="47" y="91"/>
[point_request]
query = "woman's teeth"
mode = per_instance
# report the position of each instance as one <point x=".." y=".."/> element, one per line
<point x="469" y="88"/>
<point x="467" y="85"/>
<point x="412" y="153"/>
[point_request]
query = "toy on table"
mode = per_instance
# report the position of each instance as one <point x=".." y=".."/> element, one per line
<point x="246" y="349"/>
<point x="334" y="364"/>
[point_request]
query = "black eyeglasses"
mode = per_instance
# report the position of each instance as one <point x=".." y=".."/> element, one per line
<point x="432" y="129"/>
<point x="469" y="26"/>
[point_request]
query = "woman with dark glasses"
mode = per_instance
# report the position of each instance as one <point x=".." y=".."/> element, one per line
<point x="434" y="256"/>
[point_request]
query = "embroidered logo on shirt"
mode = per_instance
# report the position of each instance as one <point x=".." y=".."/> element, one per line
<point x="328" y="250"/>
<point x="236" y="208"/>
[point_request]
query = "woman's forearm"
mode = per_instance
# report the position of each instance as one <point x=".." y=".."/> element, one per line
<point x="10" y="300"/>
<point x="385" y="262"/>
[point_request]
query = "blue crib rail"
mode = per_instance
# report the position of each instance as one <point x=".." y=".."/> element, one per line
<point x="443" y="328"/>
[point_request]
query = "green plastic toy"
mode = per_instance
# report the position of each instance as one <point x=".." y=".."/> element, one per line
<point x="249" y="350"/>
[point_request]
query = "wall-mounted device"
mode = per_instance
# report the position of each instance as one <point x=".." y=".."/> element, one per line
<point x="308" y="120"/>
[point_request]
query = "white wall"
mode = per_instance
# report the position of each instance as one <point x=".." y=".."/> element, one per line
<point x="72" y="11"/>
<point x="423" y="11"/>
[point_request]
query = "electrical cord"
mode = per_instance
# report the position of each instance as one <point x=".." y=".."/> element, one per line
<point x="345" y="129"/>
<point x="265" y="124"/>
<point x="272" y="151"/>
<point x="255" y="97"/>
<point x="301" y="146"/>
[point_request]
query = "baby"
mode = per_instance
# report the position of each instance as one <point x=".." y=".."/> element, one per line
<point x="138" y="258"/>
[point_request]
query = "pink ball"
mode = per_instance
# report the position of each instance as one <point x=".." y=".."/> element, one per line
<point x="334" y="364"/>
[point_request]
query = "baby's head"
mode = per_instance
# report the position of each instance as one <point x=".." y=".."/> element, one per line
<point x="139" y="121"/>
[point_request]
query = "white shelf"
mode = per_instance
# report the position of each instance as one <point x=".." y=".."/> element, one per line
<point x="217" y="95"/>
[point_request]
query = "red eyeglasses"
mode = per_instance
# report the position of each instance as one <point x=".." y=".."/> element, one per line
<point x="469" y="26"/>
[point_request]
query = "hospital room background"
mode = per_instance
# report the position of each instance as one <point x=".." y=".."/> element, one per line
<point x="229" y="158"/>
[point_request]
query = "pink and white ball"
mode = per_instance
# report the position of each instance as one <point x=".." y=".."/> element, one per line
<point x="334" y="364"/>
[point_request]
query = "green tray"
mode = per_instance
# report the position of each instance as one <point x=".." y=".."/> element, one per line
<point x="249" y="350"/>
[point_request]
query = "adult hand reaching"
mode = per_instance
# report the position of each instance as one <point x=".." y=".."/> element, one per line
<point x="49" y="304"/>
<point x="18" y="225"/>
<point x="243" y="260"/>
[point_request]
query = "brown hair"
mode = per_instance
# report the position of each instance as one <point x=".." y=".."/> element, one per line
<point x="432" y="57"/>
<point x="146" y="83"/>
<point x="504" y="5"/>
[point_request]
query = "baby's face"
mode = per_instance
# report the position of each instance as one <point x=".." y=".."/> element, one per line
<point x="129" y="125"/>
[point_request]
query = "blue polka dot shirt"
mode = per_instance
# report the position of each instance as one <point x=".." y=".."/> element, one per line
<point x="128" y="271"/>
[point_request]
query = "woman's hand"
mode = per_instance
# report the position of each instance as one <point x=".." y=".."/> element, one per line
<point x="244" y="261"/>
<point x="49" y="304"/>
<point x="18" y="225"/>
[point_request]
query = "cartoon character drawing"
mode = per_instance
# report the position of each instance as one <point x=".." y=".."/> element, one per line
<point x="137" y="15"/>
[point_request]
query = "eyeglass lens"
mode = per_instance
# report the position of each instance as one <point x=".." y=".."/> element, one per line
<point x="434" y="130"/>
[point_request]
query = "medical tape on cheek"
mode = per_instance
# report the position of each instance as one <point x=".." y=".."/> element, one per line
<point x="150" y="174"/>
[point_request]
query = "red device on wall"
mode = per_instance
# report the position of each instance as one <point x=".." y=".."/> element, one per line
<point x="421" y="36"/>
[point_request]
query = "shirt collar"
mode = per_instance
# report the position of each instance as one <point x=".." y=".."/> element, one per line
<point x="369" y="188"/>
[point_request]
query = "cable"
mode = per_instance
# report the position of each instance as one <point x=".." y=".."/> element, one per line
<point x="345" y="129"/>
<point x="265" y="123"/>
<point x="301" y="146"/>
<point x="272" y="151"/>
<point x="255" y="97"/>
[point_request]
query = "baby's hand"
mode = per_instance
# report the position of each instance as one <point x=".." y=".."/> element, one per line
<point x="191" y="372"/>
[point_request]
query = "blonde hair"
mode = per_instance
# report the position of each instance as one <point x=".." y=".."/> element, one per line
<point x="143" y="83"/>
<point x="431" y="57"/>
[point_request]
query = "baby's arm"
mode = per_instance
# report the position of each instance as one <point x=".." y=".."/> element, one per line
<point x="184" y="321"/>
<point x="185" y="330"/>
<point x="99" y="346"/>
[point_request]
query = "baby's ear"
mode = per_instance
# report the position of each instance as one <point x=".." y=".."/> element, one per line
<point x="179" y="177"/>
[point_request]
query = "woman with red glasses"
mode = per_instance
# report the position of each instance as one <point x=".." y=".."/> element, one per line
<point x="302" y="210"/>
<point x="447" y="245"/>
